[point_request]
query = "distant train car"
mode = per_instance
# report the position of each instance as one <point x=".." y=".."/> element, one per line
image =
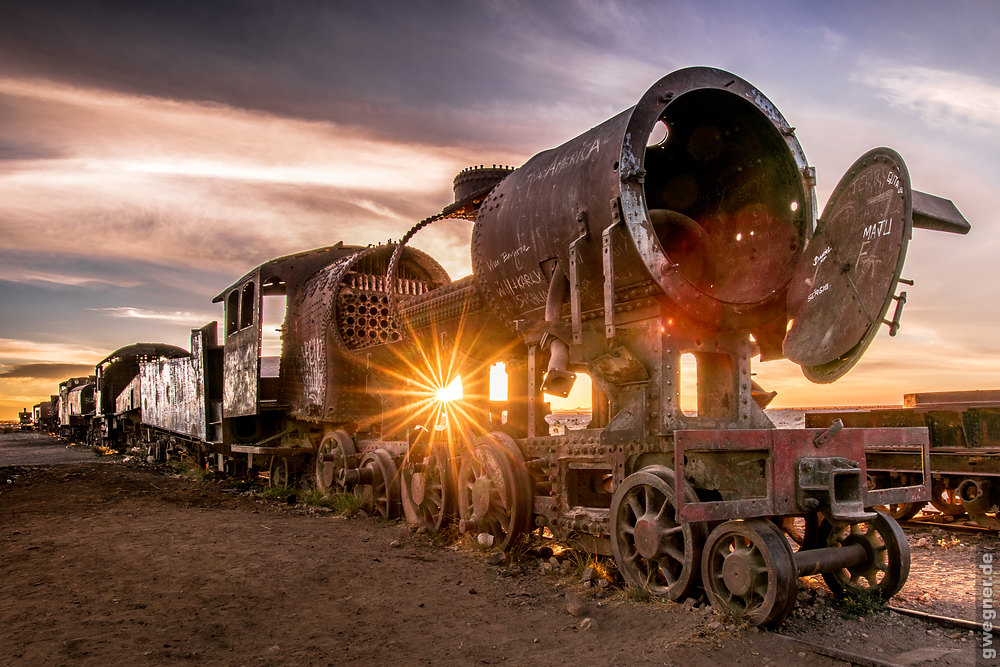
<point x="116" y="419"/>
<point x="964" y="431"/>
<point x="76" y="408"/>
<point x="24" y="420"/>
<point x="45" y="415"/>
<point x="179" y="398"/>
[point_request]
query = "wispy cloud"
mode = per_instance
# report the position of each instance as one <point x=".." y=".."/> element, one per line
<point x="939" y="96"/>
<point x="177" y="317"/>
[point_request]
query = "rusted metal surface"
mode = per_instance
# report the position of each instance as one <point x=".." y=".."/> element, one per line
<point x="175" y="393"/>
<point x="119" y="368"/>
<point x="840" y="295"/>
<point x="964" y="457"/>
<point x="769" y="483"/>
<point x="608" y="176"/>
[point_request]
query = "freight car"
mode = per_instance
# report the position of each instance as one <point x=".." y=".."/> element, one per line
<point x="117" y="417"/>
<point x="44" y="415"/>
<point x="964" y="429"/>
<point x="76" y="408"/>
<point x="682" y="230"/>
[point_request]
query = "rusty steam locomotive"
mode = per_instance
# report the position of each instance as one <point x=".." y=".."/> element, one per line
<point x="685" y="227"/>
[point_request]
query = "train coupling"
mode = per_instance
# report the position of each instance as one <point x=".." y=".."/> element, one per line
<point x="833" y="485"/>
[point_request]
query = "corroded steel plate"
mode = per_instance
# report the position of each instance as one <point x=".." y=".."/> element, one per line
<point x="844" y="284"/>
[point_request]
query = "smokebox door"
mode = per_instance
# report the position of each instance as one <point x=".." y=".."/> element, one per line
<point x="846" y="278"/>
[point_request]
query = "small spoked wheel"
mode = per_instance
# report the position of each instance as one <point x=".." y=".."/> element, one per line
<point x="381" y="495"/>
<point x="887" y="562"/>
<point x="427" y="487"/>
<point x="748" y="566"/>
<point x="331" y="459"/>
<point x="494" y="494"/>
<point x="281" y="472"/>
<point x="651" y="549"/>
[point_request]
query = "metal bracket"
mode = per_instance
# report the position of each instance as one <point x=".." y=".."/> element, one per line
<point x="607" y="248"/>
<point x="894" y="322"/>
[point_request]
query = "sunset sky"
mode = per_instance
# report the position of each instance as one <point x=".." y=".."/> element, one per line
<point x="153" y="152"/>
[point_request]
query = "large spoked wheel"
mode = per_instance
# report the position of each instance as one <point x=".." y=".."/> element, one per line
<point x="887" y="564"/>
<point x="748" y="566"/>
<point x="381" y="495"/>
<point x="945" y="499"/>
<point x="281" y="472"/>
<point x="427" y="486"/>
<point x="336" y="446"/>
<point x="492" y="497"/>
<point x="651" y="549"/>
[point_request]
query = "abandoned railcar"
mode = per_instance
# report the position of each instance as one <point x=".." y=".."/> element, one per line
<point x="683" y="227"/>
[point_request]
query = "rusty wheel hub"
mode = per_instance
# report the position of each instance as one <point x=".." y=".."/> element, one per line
<point x="418" y="488"/>
<point x="482" y="490"/>
<point x="737" y="573"/>
<point x="647" y="537"/>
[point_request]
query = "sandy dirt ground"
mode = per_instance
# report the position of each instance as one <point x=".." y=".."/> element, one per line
<point x="104" y="562"/>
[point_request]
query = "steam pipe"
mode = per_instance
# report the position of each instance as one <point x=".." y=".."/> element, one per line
<point x="558" y="379"/>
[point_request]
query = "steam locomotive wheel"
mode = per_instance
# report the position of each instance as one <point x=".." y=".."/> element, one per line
<point x="491" y="498"/>
<point x="946" y="499"/>
<point x="749" y="566"/>
<point x="339" y="446"/>
<point x="428" y="489"/>
<point x="382" y="494"/>
<point x="281" y="472"/>
<point x="652" y="550"/>
<point x="888" y="555"/>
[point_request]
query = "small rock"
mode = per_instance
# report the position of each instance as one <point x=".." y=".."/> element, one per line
<point x="554" y="561"/>
<point x="730" y="628"/>
<point x="801" y="654"/>
<point x="714" y="625"/>
<point x="497" y="558"/>
<point x="588" y="574"/>
<point x="588" y="624"/>
<point x="588" y="584"/>
<point x="472" y="591"/>
<point x="546" y="567"/>
<point x="395" y="544"/>
<point x="603" y="583"/>
<point x="485" y="540"/>
<point x="421" y="530"/>
<point x="567" y="566"/>
<point x="362" y="514"/>
<point x="924" y="542"/>
<point x="575" y="606"/>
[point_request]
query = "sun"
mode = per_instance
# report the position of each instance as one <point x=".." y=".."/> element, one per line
<point x="452" y="392"/>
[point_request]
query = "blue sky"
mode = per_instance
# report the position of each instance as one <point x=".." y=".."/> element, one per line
<point x="151" y="153"/>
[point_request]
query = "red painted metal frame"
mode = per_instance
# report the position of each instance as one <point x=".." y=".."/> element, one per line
<point x="785" y="448"/>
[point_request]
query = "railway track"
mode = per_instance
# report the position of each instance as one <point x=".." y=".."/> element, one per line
<point x="949" y="523"/>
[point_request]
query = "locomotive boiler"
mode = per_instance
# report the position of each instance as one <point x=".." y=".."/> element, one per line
<point x="682" y="230"/>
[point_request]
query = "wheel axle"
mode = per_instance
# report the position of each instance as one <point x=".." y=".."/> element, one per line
<point x="829" y="559"/>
